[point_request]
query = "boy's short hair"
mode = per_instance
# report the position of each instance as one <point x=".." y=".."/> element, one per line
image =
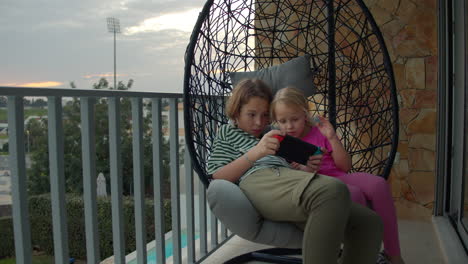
<point x="242" y="93"/>
<point x="290" y="96"/>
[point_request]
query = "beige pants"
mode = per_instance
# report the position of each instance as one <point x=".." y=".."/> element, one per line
<point x="321" y="206"/>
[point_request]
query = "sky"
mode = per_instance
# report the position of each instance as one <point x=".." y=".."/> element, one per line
<point x="50" y="43"/>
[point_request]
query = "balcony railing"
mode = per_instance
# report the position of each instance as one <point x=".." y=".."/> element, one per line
<point x="209" y="238"/>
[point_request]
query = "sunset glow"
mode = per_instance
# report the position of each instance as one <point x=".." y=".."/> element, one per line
<point x="100" y="75"/>
<point x="34" y="84"/>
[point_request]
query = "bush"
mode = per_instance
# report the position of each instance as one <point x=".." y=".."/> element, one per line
<point x="41" y="224"/>
<point x="5" y="148"/>
<point x="7" y="245"/>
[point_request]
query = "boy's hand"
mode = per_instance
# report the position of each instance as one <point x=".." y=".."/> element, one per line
<point x="268" y="145"/>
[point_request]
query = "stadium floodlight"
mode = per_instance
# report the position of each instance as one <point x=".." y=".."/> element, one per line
<point x="113" y="25"/>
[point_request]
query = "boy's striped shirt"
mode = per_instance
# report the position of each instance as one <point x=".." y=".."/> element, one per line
<point x="231" y="143"/>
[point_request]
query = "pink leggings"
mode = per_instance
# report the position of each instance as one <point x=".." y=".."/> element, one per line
<point x="364" y="188"/>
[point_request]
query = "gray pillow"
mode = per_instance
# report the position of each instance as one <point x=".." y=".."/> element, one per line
<point x="296" y="72"/>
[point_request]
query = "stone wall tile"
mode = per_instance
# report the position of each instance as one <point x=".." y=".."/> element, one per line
<point x="395" y="186"/>
<point x="425" y="26"/>
<point x="407" y="44"/>
<point x="429" y="206"/>
<point x="403" y="149"/>
<point x="408" y="97"/>
<point x="401" y="169"/>
<point x="389" y="6"/>
<point x="407" y="115"/>
<point x="423" y="141"/>
<point x="400" y="60"/>
<point x="404" y="168"/>
<point x="370" y="3"/>
<point x="406" y="11"/>
<point x="393" y="27"/>
<point x="425" y="99"/>
<point x="415" y="73"/>
<point x="391" y="52"/>
<point x="424" y="123"/>
<point x="426" y="4"/>
<point x="431" y="72"/>
<point x="403" y="135"/>
<point x="399" y="74"/>
<point x="381" y="16"/>
<point x="423" y="185"/>
<point x="421" y="159"/>
<point x="407" y="192"/>
<point x="411" y="210"/>
<point x="403" y="35"/>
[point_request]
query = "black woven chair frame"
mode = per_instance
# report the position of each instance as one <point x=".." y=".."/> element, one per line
<point x="354" y="80"/>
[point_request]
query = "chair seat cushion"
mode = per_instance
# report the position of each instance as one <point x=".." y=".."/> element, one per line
<point x="229" y="204"/>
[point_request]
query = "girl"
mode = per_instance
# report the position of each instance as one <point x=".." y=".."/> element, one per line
<point x="289" y="110"/>
<point x="319" y="204"/>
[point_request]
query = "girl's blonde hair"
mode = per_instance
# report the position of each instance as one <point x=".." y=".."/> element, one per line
<point x="290" y="96"/>
<point x="242" y="93"/>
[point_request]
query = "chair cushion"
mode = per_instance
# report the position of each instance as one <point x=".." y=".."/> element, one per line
<point x="296" y="72"/>
<point x="229" y="204"/>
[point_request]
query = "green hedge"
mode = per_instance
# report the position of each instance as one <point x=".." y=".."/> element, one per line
<point x="7" y="246"/>
<point x="41" y="225"/>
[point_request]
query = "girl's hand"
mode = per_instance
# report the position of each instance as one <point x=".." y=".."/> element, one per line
<point x="298" y="166"/>
<point x="326" y="128"/>
<point x="314" y="162"/>
<point x="268" y="145"/>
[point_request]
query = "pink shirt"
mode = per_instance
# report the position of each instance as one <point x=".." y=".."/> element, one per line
<point x="328" y="166"/>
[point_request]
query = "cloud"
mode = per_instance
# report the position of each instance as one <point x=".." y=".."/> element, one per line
<point x="68" y="41"/>
<point x="100" y="75"/>
<point x="62" y="24"/>
<point x="182" y="21"/>
<point x="34" y="84"/>
<point x="160" y="7"/>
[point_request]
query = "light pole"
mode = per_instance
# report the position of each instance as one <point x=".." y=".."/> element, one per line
<point x="113" y="25"/>
<point x="29" y="146"/>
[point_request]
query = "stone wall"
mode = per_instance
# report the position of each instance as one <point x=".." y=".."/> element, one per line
<point x="409" y="28"/>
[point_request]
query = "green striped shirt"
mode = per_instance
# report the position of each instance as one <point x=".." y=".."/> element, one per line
<point x="231" y="143"/>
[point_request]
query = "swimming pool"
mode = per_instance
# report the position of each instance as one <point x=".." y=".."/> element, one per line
<point x="151" y="258"/>
<point x="151" y="246"/>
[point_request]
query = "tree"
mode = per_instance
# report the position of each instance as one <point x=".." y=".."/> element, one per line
<point x="26" y="102"/>
<point x="38" y="176"/>
<point x="104" y="84"/>
<point x="3" y="101"/>
<point x="39" y="179"/>
<point x="39" y="103"/>
<point x="5" y="147"/>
